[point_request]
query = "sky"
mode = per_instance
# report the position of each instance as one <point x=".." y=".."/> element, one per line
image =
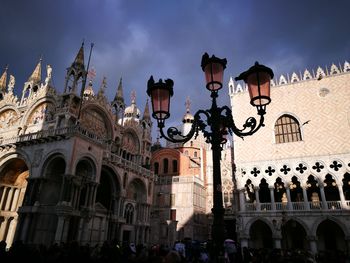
<point x="134" y="39"/>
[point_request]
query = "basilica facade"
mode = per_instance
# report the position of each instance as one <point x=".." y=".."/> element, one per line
<point x="73" y="166"/>
<point x="293" y="175"/>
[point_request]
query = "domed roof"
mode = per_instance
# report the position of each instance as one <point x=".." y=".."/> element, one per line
<point x="132" y="111"/>
<point x="88" y="90"/>
<point x="188" y="117"/>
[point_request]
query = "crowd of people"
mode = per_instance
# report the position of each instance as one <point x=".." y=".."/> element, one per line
<point x="182" y="252"/>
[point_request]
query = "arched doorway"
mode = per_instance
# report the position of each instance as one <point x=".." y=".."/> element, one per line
<point x="136" y="202"/>
<point x="330" y="236"/>
<point x="13" y="184"/>
<point x="44" y="224"/>
<point x="293" y="235"/>
<point x="82" y="190"/>
<point x="260" y="235"/>
<point x="108" y="200"/>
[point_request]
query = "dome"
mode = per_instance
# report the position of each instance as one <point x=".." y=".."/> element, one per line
<point x="187" y="118"/>
<point x="132" y="111"/>
<point x="88" y="90"/>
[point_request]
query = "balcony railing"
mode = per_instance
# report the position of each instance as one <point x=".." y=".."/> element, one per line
<point x="298" y="206"/>
<point x="117" y="160"/>
<point x="51" y="134"/>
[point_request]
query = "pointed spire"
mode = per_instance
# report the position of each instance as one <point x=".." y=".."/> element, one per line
<point x="3" y="80"/>
<point x="103" y="86"/>
<point x="79" y="59"/>
<point x="36" y="75"/>
<point x="119" y="97"/>
<point x="146" y="114"/>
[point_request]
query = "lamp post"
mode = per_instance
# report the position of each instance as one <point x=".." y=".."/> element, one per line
<point x="215" y="123"/>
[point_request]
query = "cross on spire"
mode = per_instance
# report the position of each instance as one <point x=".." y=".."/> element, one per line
<point x="188" y="104"/>
<point x="133" y="96"/>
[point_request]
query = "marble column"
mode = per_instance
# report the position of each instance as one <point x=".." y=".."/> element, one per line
<point x="289" y="199"/>
<point x="3" y="227"/>
<point x="14" y="205"/>
<point x="306" y="201"/>
<point x="11" y="231"/>
<point x="342" y="198"/>
<point x="242" y="200"/>
<point x="59" y="229"/>
<point x="323" y="197"/>
<point x="4" y="190"/>
<point x="272" y="196"/>
<point x="257" y="199"/>
<point x="277" y="242"/>
<point x="9" y="199"/>
<point x="312" y="244"/>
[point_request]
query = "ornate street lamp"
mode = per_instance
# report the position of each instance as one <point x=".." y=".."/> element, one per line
<point x="215" y="123"/>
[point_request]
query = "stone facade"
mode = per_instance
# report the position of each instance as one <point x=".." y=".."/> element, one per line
<point x="73" y="166"/>
<point x="294" y="193"/>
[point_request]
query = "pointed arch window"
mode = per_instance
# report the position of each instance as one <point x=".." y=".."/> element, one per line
<point x="287" y="129"/>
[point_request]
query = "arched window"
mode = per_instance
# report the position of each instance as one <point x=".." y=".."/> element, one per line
<point x="287" y="129"/>
<point x="165" y="165"/>
<point x="195" y="154"/>
<point x="156" y="168"/>
<point x="174" y="166"/>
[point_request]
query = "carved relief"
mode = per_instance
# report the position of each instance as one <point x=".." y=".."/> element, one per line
<point x="8" y="118"/>
<point x="94" y="122"/>
<point x="130" y="143"/>
<point x="43" y="113"/>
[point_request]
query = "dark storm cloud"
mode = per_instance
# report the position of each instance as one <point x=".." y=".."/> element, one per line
<point x="136" y="39"/>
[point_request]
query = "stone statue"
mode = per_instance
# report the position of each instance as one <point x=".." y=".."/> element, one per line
<point x="48" y="75"/>
<point x="11" y="84"/>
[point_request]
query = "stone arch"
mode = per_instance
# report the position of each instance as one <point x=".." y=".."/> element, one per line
<point x="109" y="188"/>
<point x="137" y="191"/>
<point x="86" y="168"/>
<point x="260" y="233"/>
<point x="40" y="113"/>
<point x="319" y="220"/>
<point x="330" y="234"/>
<point x="296" y="190"/>
<point x="131" y="142"/>
<point x="264" y="191"/>
<point x="8" y="117"/>
<point x="346" y="185"/>
<point x="294" y="233"/>
<point x="331" y="188"/>
<point x="14" y="172"/>
<point x="85" y="173"/>
<point x="312" y="187"/>
<point x="53" y="170"/>
<point x="95" y="119"/>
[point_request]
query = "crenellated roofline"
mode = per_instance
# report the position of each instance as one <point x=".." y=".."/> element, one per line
<point x="283" y="79"/>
